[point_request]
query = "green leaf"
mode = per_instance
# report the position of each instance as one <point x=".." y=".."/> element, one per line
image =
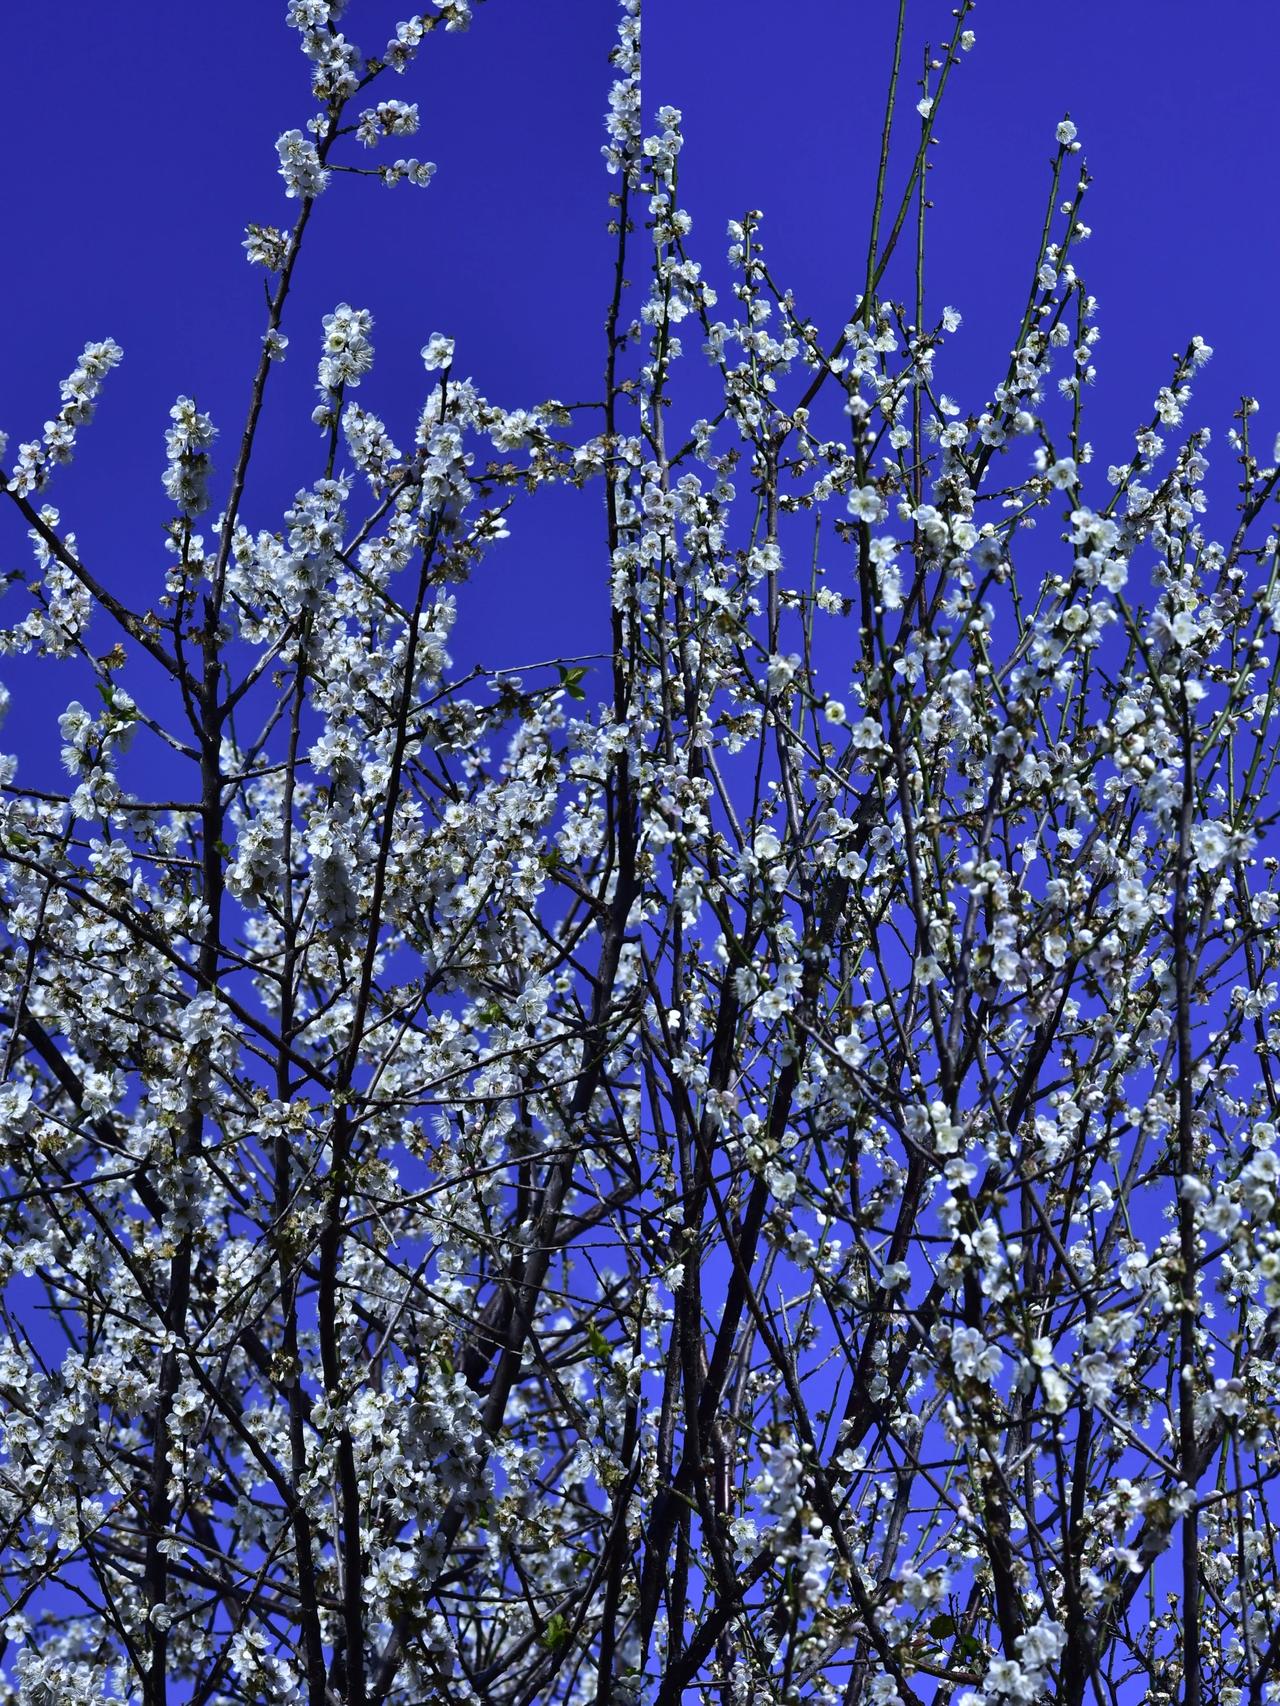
<point x="596" y="1340"/>
<point x="571" y="681"/>
<point x="555" y="1634"/>
<point x="942" y="1626"/>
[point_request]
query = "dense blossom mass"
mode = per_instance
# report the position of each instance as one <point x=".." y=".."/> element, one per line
<point x="748" y="1173"/>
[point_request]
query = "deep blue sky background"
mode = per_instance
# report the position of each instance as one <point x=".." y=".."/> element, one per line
<point x="137" y="141"/>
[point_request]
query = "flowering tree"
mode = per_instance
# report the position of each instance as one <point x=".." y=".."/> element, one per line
<point x="759" y="1188"/>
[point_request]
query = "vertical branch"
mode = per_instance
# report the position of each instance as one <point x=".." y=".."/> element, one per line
<point x="208" y="734"/>
<point x="882" y="170"/>
<point x="1187" y="1452"/>
<point x="344" y="1129"/>
<point x="286" y="1257"/>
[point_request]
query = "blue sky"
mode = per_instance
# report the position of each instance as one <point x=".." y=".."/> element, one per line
<point x="136" y="154"/>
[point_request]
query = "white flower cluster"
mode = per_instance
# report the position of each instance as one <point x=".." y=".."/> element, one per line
<point x="623" y="121"/>
<point x="796" y="1533"/>
<point x="304" y="176"/>
<point x="265" y="246"/>
<point x="313" y="15"/>
<point x="402" y="49"/>
<point x="79" y="396"/>
<point x="388" y="118"/>
<point x="371" y="446"/>
<point x="972" y="1357"/>
<point x="347" y="356"/>
<point x="335" y="61"/>
<point x="186" y="446"/>
<point x="411" y="171"/>
<point x="1028" y="1677"/>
